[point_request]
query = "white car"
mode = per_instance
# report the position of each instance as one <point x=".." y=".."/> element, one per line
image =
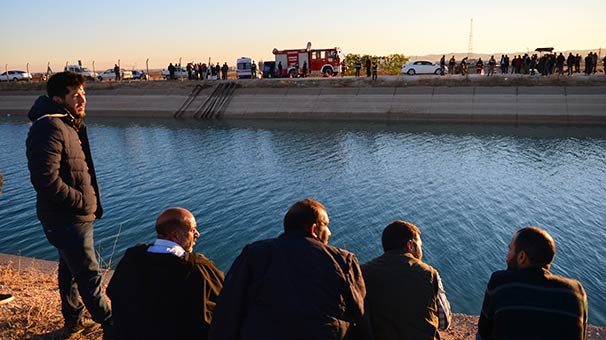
<point x="180" y="72"/>
<point x="421" y="67"/>
<point x="110" y="75"/>
<point x="15" y="75"/>
<point x="83" y="71"/>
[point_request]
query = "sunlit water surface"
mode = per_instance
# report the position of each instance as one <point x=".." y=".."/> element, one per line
<point x="467" y="187"/>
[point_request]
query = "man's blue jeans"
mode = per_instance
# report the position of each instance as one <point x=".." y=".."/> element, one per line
<point x="78" y="271"/>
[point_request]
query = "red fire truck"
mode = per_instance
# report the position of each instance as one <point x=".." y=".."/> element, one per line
<point x="326" y="61"/>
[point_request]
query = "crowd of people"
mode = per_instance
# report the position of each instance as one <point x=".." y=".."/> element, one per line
<point x="294" y="286"/>
<point x="371" y="68"/>
<point x="200" y="71"/>
<point x="546" y="64"/>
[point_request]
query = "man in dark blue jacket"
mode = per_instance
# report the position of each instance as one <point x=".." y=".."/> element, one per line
<point x="293" y="287"/>
<point x="63" y="175"/>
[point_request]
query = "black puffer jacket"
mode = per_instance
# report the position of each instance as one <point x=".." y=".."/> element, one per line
<point x="60" y="165"/>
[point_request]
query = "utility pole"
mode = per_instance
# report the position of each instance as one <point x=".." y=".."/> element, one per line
<point x="470" y="45"/>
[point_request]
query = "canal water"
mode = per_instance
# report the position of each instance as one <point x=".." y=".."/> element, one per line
<point x="468" y="188"/>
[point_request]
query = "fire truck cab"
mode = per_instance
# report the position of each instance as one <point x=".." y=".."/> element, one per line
<point x="326" y="61"/>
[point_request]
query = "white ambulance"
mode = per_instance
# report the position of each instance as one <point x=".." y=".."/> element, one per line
<point x="243" y="68"/>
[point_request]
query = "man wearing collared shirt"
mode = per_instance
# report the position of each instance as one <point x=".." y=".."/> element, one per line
<point x="164" y="290"/>
<point x="405" y="297"/>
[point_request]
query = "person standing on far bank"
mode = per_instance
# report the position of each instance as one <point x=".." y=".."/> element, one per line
<point x="253" y="70"/>
<point x="375" y="68"/>
<point x="224" y="70"/>
<point x="117" y="71"/>
<point x="358" y="67"/>
<point x="68" y="201"/>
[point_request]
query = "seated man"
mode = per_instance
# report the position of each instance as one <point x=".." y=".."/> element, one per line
<point x="164" y="290"/>
<point x="292" y="287"/>
<point x="527" y="301"/>
<point x="405" y="297"/>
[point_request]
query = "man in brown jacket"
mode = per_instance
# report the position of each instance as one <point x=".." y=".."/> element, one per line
<point x="405" y="297"/>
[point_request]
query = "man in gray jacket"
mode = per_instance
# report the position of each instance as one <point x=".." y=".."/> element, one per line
<point x="63" y="175"/>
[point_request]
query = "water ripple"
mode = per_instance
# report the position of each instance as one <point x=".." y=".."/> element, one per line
<point x="467" y="187"/>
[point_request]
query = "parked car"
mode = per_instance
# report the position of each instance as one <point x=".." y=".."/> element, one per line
<point x="14" y="75"/>
<point x="140" y="75"/>
<point x="269" y="69"/>
<point x="180" y="72"/>
<point x="421" y="67"/>
<point x="86" y="73"/>
<point x="110" y="75"/>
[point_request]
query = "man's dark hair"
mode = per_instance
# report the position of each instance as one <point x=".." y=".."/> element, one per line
<point x="537" y="244"/>
<point x="59" y="83"/>
<point x="397" y="234"/>
<point x="303" y="214"/>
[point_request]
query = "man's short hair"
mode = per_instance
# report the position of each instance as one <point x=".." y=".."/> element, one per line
<point x="303" y="214"/>
<point x="537" y="244"/>
<point x="397" y="234"/>
<point x="59" y="83"/>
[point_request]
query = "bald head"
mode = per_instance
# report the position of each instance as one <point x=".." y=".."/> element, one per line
<point x="178" y="225"/>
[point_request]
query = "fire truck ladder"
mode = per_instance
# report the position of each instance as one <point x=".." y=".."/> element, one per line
<point x="215" y="104"/>
<point x="194" y="93"/>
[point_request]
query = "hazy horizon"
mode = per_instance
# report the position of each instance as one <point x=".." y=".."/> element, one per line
<point x="38" y="32"/>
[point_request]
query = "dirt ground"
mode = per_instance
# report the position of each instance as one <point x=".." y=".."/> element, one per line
<point x="34" y="314"/>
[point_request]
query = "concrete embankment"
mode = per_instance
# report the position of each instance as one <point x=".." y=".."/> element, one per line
<point x="473" y="104"/>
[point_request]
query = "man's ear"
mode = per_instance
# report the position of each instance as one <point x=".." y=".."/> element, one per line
<point x="57" y="99"/>
<point x="409" y="246"/>
<point x="523" y="260"/>
<point x="312" y="230"/>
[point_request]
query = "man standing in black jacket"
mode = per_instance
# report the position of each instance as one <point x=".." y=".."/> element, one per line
<point x="63" y="175"/>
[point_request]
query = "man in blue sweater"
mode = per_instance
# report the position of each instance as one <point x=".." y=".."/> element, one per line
<point x="527" y="301"/>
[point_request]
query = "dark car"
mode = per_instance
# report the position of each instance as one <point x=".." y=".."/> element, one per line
<point x="140" y="75"/>
<point x="269" y="69"/>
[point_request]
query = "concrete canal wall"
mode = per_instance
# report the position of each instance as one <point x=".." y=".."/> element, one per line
<point x="536" y="104"/>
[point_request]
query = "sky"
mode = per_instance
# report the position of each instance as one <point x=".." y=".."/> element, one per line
<point x="132" y="31"/>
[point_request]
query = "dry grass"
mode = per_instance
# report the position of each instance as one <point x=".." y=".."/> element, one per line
<point x="35" y="312"/>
